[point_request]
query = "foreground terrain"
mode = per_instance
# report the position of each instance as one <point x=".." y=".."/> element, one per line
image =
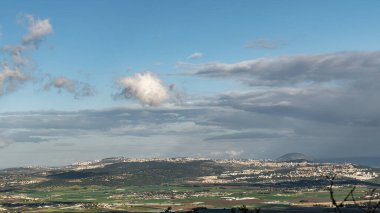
<point x="123" y="184"/>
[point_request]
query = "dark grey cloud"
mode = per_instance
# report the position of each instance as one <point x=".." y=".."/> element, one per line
<point x="253" y="135"/>
<point x="226" y="129"/>
<point x="338" y="88"/>
<point x="42" y="126"/>
<point x="301" y="120"/>
<point x="354" y="68"/>
<point x="329" y="102"/>
<point x="341" y="106"/>
<point x="317" y="121"/>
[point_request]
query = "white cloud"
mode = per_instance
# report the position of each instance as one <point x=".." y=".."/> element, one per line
<point x="17" y="63"/>
<point x="10" y="79"/>
<point x="63" y="82"/>
<point x="17" y="54"/>
<point x="37" y="30"/>
<point x="77" y="88"/>
<point x="146" y="87"/>
<point x="195" y="55"/>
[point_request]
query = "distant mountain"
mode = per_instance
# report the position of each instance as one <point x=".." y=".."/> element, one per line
<point x="294" y="157"/>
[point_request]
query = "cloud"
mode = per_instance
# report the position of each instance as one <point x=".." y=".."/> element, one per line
<point x="328" y="102"/>
<point x="37" y="30"/>
<point x="4" y="143"/>
<point x="235" y="124"/>
<point x="318" y="121"/>
<point x="10" y="79"/>
<point x="251" y="135"/>
<point x="172" y="87"/>
<point x="77" y="88"/>
<point x="195" y="55"/>
<point x="346" y="67"/>
<point x="227" y="154"/>
<point x="165" y="128"/>
<point x="263" y="43"/>
<point x="17" y="54"/>
<point x="16" y="65"/>
<point x="337" y="88"/>
<point x="45" y="126"/>
<point x="348" y="107"/>
<point x="146" y="87"/>
<point x="177" y="95"/>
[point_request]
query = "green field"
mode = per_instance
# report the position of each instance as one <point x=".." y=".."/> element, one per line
<point x="119" y="185"/>
<point x="155" y="198"/>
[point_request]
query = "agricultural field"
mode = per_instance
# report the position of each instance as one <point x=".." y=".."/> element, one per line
<point x="157" y="198"/>
<point x="121" y="184"/>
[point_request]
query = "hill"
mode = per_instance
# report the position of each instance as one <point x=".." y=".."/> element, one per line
<point x="126" y="184"/>
<point x="294" y="157"/>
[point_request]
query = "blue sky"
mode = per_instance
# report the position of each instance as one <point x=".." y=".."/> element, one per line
<point x="272" y="61"/>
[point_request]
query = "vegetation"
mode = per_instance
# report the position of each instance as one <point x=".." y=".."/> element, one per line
<point x="368" y="206"/>
<point x="155" y="185"/>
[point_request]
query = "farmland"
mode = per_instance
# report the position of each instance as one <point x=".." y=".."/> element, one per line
<point x="116" y="185"/>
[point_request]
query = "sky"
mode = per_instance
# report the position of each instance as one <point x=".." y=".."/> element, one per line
<point x="85" y="80"/>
